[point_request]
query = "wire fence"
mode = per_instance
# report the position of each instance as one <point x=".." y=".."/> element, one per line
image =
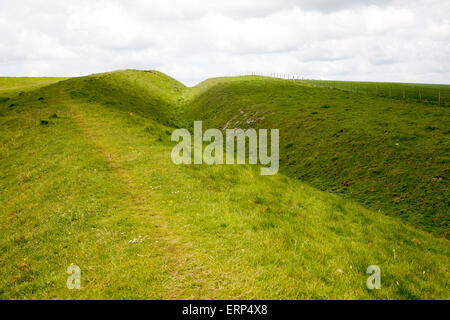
<point x="434" y="93"/>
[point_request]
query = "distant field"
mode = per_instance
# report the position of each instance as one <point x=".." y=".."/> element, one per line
<point x="415" y="91"/>
<point x="10" y="86"/>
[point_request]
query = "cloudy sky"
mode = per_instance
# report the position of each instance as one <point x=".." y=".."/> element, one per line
<point x="191" y="40"/>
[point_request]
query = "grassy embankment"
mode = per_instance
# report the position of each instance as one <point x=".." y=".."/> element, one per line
<point x="388" y="155"/>
<point x="98" y="175"/>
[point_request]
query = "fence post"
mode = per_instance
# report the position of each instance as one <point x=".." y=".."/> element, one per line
<point x="376" y="90"/>
<point x="367" y="90"/>
<point x="404" y="94"/>
<point x="390" y="92"/>
<point x="420" y="95"/>
<point x="439" y="97"/>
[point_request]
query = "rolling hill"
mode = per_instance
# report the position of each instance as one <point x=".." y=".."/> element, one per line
<point x="86" y="179"/>
<point x="389" y="155"/>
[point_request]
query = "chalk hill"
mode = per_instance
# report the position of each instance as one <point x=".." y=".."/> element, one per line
<point x="86" y="179"/>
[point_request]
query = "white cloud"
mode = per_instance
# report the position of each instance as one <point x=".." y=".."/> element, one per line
<point x="191" y="40"/>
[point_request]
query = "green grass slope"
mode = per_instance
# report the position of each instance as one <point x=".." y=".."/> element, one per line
<point x="79" y="189"/>
<point x="389" y="155"/>
<point x="149" y="93"/>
